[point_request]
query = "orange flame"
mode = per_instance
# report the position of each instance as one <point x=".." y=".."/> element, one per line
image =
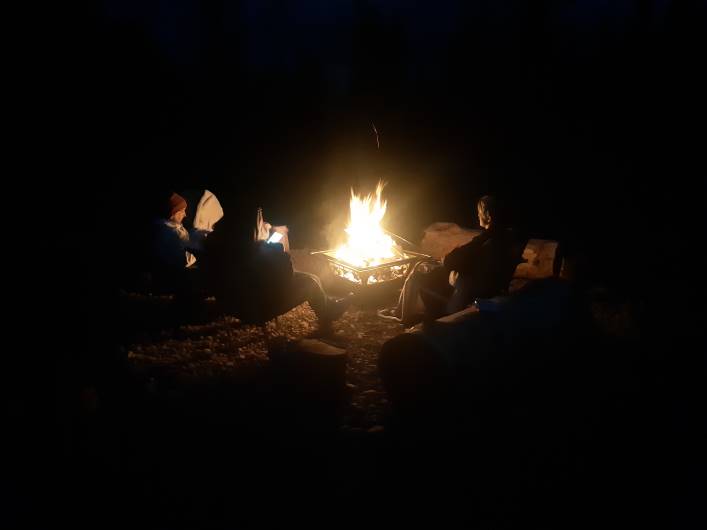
<point x="368" y="244"/>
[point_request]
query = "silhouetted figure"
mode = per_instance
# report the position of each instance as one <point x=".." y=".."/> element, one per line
<point x="254" y="280"/>
<point x="471" y="355"/>
<point x="482" y="268"/>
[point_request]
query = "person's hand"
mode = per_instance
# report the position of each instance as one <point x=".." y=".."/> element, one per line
<point x="262" y="229"/>
<point x="453" y="277"/>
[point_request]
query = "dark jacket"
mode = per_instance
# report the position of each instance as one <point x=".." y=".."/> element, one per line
<point x="489" y="260"/>
<point x="248" y="278"/>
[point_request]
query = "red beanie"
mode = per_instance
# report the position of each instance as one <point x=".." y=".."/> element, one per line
<point x="176" y="203"/>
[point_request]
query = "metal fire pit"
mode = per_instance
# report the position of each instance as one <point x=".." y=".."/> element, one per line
<point x="362" y="277"/>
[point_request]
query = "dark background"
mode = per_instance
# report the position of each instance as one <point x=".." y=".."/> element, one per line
<point x="586" y="117"/>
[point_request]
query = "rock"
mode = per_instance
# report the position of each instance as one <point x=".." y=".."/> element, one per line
<point x="441" y="238"/>
<point x="541" y="257"/>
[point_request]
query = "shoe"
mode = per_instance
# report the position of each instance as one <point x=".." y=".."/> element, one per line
<point x="389" y="313"/>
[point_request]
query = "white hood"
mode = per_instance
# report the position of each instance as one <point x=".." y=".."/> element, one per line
<point x="208" y="212"/>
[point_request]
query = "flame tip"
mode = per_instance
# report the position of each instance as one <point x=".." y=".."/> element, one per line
<point x="368" y="243"/>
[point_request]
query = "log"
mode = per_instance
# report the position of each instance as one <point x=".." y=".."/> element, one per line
<point x="540" y="255"/>
<point x="311" y="367"/>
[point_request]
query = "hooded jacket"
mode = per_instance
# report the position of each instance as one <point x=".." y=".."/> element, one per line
<point x="208" y="213"/>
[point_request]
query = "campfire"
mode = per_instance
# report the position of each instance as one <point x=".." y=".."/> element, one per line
<point x="370" y="255"/>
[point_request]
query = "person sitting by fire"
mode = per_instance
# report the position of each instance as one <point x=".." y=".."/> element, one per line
<point x="251" y="275"/>
<point x="479" y="269"/>
<point x="171" y="253"/>
<point x="176" y="248"/>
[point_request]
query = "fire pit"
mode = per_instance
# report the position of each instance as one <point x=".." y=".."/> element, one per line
<point x="375" y="274"/>
<point x="370" y="256"/>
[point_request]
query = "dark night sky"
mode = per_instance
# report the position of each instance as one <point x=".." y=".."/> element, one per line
<point x="584" y="116"/>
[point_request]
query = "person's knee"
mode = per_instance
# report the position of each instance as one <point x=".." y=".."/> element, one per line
<point x="462" y="296"/>
<point x="306" y="277"/>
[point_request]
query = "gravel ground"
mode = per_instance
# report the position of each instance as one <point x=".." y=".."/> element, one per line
<point x="225" y="349"/>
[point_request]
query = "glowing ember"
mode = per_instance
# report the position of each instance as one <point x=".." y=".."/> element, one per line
<point x="368" y="244"/>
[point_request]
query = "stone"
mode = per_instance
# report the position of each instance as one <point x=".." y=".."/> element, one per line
<point x="439" y="239"/>
<point x="540" y="255"/>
